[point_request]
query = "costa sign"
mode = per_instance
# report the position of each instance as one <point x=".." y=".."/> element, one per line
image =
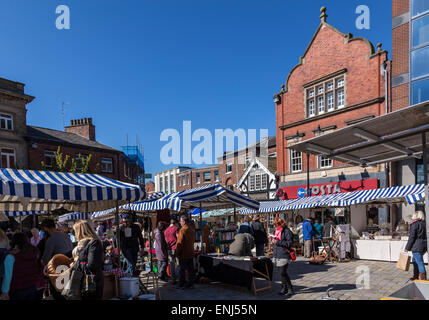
<point x="293" y="192"/>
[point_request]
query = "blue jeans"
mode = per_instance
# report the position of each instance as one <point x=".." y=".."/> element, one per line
<point x="131" y="257"/>
<point x="418" y="262"/>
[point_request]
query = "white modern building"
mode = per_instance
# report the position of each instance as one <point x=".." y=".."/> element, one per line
<point x="166" y="181"/>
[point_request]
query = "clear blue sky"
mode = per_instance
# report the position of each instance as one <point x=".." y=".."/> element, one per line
<point x="141" y="66"/>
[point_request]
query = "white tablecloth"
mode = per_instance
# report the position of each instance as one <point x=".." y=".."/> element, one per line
<point x="381" y="250"/>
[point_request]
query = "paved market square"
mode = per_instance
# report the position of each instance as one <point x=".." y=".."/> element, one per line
<point x="310" y="282"/>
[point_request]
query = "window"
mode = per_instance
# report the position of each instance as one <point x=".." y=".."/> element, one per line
<point x="330" y="96"/>
<point x="419" y="7"/>
<point x="247" y="161"/>
<point x="216" y="174"/>
<point x="229" y="167"/>
<point x="166" y="184"/>
<point x="340" y="98"/>
<point x="258" y="182"/>
<point x="272" y="155"/>
<point x="183" y="180"/>
<point x="321" y="105"/>
<point x="421" y="31"/>
<point x="419" y="62"/>
<point x="198" y="177"/>
<point x="171" y="183"/>
<point x="252" y="183"/>
<point x="107" y="165"/>
<point x="296" y="161"/>
<point x="49" y="159"/>
<point x="325" y="162"/>
<point x="6" y="122"/>
<point x="207" y="176"/>
<point x="331" y="104"/>
<point x="340" y="83"/>
<point x="420" y="91"/>
<point x="264" y="183"/>
<point x="79" y="163"/>
<point x="8" y="158"/>
<point x="311" y="111"/>
<point x="161" y="187"/>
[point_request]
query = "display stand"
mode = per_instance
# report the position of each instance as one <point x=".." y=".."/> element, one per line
<point x="221" y="234"/>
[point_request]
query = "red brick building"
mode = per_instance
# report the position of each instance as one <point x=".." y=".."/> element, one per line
<point x="78" y="138"/>
<point x="194" y="178"/>
<point x="338" y="81"/>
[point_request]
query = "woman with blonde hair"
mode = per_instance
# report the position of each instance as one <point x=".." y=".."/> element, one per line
<point x="89" y="255"/>
<point x="417" y="244"/>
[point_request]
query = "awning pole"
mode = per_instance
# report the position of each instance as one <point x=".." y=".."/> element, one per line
<point x="201" y="227"/>
<point x="235" y="214"/>
<point x="308" y="175"/>
<point x="117" y="227"/>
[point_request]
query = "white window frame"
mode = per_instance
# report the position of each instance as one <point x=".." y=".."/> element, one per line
<point x="324" y="162"/>
<point x="331" y="102"/>
<point x="49" y="154"/>
<point x="341" y="99"/>
<point x="228" y="164"/>
<point x="5" y="152"/>
<point x="294" y="165"/>
<point x="330" y="86"/>
<point x="8" y="122"/>
<point x="198" y="177"/>
<point x="251" y="183"/>
<point x="216" y="175"/>
<point x="320" y="90"/>
<point x="311" y="108"/>
<point x="107" y="161"/>
<point x="321" y="106"/>
<point x="210" y="176"/>
<point x="264" y="181"/>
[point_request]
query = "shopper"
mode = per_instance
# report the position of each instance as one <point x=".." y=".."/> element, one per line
<point x="185" y="252"/>
<point x="90" y="258"/>
<point x="242" y="245"/>
<point x="318" y="229"/>
<point x="161" y="250"/>
<point x="57" y="243"/>
<point x="417" y="244"/>
<point x="282" y="257"/>
<point x="260" y="236"/>
<point x="100" y="230"/>
<point x="35" y="239"/>
<point x="327" y="229"/>
<point x="21" y="270"/>
<point x="308" y="233"/>
<point x="171" y="237"/>
<point x="130" y="238"/>
<point x="246" y="227"/>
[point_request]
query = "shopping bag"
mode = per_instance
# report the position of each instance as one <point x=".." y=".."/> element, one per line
<point x="403" y="261"/>
<point x="72" y="290"/>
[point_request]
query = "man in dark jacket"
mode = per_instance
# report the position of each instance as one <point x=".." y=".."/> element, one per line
<point x="417" y="244"/>
<point x="185" y="252"/>
<point x="282" y="257"/>
<point x="260" y="235"/>
<point x="130" y="236"/>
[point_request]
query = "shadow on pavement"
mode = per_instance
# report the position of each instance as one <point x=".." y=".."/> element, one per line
<point x="298" y="268"/>
<point x="334" y="287"/>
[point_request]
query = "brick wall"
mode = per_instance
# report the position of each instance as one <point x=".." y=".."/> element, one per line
<point x="400" y="7"/>
<point x="37" y="155"/>
<point x="330" y="52"/>
<point x="193" y="173"/>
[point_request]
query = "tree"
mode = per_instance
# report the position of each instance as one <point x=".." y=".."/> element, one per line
<point x="62" y="160"/>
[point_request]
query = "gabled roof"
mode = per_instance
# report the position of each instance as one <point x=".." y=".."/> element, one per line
<point x="61" y="138"/>
<point x="250" y="167"/>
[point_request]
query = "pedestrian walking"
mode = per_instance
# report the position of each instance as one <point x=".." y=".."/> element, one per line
<point x="185" y="252"/>
<point x="171" y="234"/>
<point x="260" y="236"/>
<point x="130" y="237"/>
<point x="161" y="250"/>
<point x="417" y="244"/>
<point x="282" y="257"/>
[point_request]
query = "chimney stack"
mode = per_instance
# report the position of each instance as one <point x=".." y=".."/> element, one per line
<point x="82" y="127"/>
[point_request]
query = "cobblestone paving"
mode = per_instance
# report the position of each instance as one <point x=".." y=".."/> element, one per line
<point x="310" y="282"/>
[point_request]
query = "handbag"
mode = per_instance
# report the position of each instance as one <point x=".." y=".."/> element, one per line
<point x="403" y="261"/>
<point x="72" y="290"/>
<point x="292" y="254"/>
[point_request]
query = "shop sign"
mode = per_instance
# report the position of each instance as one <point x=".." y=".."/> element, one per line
<point x="294" y="192"/>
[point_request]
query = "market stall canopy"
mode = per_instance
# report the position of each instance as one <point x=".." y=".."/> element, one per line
<point x="214" y="196"/>
<point x="374" y="196"/>
<point x="27" y="190"/>
<point x="390" y="137"/>
<point x="22" y="213"/>
<point x="74" y="216"/>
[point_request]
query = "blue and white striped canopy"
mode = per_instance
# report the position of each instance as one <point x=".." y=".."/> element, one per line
<point x="169" y="201"/>
<point x="214" y="196"/>
<point x="392" y="194"/>
<point x="73" y="216"/>
<point x="34" y="189"/>
<point x="22" y="213"/>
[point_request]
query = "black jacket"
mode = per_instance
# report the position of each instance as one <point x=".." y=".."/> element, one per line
<point x="417" y="238"/>
<point x="133" y="241"/>
<point x="259" y="233"/>
<point x="284" y="243"/>
<point x="93" y="255"/>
